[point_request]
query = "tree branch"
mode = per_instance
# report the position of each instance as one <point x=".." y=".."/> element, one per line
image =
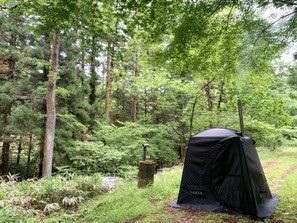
<point x="271" y="24"/>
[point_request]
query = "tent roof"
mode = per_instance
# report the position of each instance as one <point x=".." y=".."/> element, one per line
<point x="216" y="132"/>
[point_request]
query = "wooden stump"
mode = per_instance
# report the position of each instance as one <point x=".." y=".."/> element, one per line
<point x="146" y="173"/>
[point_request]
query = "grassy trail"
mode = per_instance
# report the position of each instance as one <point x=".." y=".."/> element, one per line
<point x="128" y="204"/>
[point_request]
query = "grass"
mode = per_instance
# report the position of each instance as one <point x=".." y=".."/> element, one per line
<point x="31" y="201"/>
<point x="129" y="204"/>
<point x="287" y="208"/>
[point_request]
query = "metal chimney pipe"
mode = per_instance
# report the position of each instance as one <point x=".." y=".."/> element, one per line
<point x="145" y="146"/>
<point x="240" y="117"/>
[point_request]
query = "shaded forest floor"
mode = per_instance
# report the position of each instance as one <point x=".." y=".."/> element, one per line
<point x="128" y="204"/>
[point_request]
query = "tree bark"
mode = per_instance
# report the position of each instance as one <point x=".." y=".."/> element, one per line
<point x="221" y="93"/>
<point x="6" y="144"/>
<point x="19" y="151"/>
<point x="192" y="115"/>
<point x="5" y="158"/>
<point x="209" y="96"/>
<point x="108" y="80"/>
<point x="93" y="82"/>
<point x="29" y="154"/>
<point x="51" y="108"/>
<point x="44" y="78"/>
<point x="135" y="97"/>
<point x="93" y="77"/>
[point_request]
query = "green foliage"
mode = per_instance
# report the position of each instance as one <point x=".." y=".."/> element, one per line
<point x="46" y="196"/>
<point x="169" y="83"/>
<point x="264" y="134"/>
<point x="117" y="149"/>
<point x="113" y="207"/>
<point x="9" y="215"/>
<point x="91" y="157"/>
<point x="289" y="133"/>
<point x="129" y="138"/>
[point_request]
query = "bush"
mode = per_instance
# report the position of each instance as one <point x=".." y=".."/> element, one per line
<point x="92" y="157"/>
<point x="9" y="216"/>
<point x="264" y="134"/>
<point x="289" y="133"/>
<point x="46" y="195"/>
<point x="116" y="150"/>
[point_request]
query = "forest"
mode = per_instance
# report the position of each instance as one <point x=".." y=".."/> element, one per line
<point x="83" y="84"/>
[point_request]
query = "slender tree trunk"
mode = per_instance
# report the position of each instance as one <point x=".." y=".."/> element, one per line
<point x="83" y="55"/>
<point x="42" y="137"/>
<point x="93" y="82"/>
<point x="134" y="108"/>
<point x="154" y="114"/>
<point x="108" y="80"/>
<point x="183" y="131"/>
<point x="209" y="96"/>
<point x="6" y="144"/>
<point x="29" y="154"/>
<point x="44" y="78"/>
<point x="135" y="97"/>
<point x="93" y="77"/>
<point x="51" y="109"/>
<point x="192" y="115"/>
<point x="5" y="157"/>
<point x="6" y="141"/>
<point x="19" y="151"/>
<point x="221" y="93"/>
<point x="41" y="149"/>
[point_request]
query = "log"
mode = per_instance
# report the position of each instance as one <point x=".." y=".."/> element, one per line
<point x="146" y="173"/>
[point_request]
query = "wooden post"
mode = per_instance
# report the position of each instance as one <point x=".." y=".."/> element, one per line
<point x="146" y="173"/>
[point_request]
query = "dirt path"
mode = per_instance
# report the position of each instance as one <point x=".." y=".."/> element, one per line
<point x="277" y="184"/>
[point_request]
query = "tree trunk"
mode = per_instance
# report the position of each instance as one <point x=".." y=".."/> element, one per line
<point x="83" y="55"/>
<point x="19" y="151"/>
<point x="108" y="80"/>
<point x="93" y="82"/>
<point x="44" y="78"/>
<point x="192" y="115"/>
<point x="41" y="149"/>
<point x="51" y="109"/>
<point x="209" y="97"/>
<point x="93" y="77"/>
<point x="5" y="158"/>
<point x="221" y="93"/>
<point x="29" y="155"/>
<point x="134" y="109"/>
<point x="6" y="144"/>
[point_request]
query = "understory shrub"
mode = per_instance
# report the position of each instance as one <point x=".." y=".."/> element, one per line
<point x="116" y="150"/>
<point x="46" y="195"/>
<point x="9" y="215"/>
<point x="289" y="133"/>
<point x="264" y="134"/>
<point x="94" y="156"/>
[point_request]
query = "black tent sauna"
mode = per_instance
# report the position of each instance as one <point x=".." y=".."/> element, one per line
<point x="223" y="173"/>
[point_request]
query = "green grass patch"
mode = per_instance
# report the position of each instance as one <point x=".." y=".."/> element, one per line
<point x="287" y="208"/>
<point x="151" y="204"/>
<point x="128" y="203"/>
<point x="35" y="199"/>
